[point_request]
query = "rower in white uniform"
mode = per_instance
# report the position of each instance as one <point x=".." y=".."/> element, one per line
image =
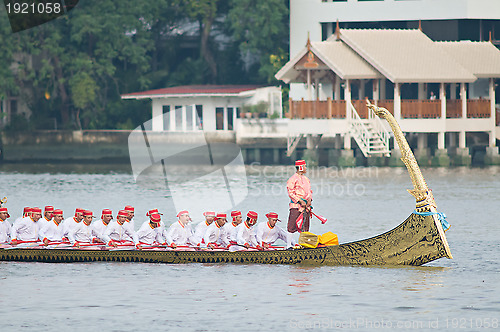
<point x="69" y="223"/>
<point x="52" y="231"/>
<point x="5" y="226"/>
<point x="201" y="228"/>
<point x="26" y="229"/>
<point x="180" y="232"/>
<point x="82" y="232"/>
<point x="119" y="231"/>
<point x="231" y="227"/>
<point x="150" y="232"/>
<point x="47" y="216"/>
<point x="99" y="227"/>
<point x="216" y="236"/>
<point x="267" y="232"/>
<point x="246" y="234"/>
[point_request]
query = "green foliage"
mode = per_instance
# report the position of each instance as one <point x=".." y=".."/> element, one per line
<point x="72" y="71"/>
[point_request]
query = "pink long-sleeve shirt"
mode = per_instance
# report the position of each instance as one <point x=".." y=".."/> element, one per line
<point x="298" y="187"/>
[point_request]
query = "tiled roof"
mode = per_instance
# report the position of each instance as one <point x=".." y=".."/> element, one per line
<point x="480" y="58"/>
<point x="215" y="90"/>
<point x="405" y="56"/>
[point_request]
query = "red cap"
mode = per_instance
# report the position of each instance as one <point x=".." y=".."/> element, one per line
<point x="129" y="208"/>
<point x="87" y="213"/>
<point x="49" y="208"/>
<point x="4" y="209"/>
<point x="300" y="163"/>
<point x="107" y="211"/>
<point x="272" y="215"/>
<point x="181" y="213"/>
<point x="150" y="212"/>
<point x="27" y="209"/>
<point x="36" y="210"/>
<point x="155" y="217"/>
<point x="252" y="214"/>
<point x="209" y="214"/>
<point x="122" y="213"/>
<point x="78" y="210"/>
<point x="235" y="213"/>
<point x="58" y="212"/>
<point x="221" y="215"/>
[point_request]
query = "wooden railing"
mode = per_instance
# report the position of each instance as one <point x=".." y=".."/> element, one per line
<point x="478" y="108"/>
<point x="420" y="109"/>
<point x="318" y="109"/>
<point x="410" y="108"/>
<point x="453" y="108"/>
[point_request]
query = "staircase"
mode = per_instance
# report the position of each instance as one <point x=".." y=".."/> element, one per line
<point x="370" y="134"/>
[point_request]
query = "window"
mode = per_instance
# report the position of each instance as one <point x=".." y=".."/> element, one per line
<point x="230" y="117"/>
<point x="199" y="116"/>
<point x="219" y="118"/>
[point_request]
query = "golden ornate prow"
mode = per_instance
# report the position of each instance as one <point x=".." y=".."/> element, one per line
<point x="3" y="201"/>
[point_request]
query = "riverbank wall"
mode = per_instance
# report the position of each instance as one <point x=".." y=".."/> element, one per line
<point x="112" y="146"/>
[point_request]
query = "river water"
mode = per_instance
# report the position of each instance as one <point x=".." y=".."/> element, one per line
<point x="460" y="294"/>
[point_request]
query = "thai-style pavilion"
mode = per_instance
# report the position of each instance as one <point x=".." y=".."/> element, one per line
<point x="443" y="88"/>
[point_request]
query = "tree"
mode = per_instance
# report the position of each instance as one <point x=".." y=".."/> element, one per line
<point x="261" y="28"/>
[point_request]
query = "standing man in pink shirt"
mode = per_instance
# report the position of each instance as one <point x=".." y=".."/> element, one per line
<point x="300" y="193"/>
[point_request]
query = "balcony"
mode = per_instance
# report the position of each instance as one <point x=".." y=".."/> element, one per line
<point x="410" y="108"/>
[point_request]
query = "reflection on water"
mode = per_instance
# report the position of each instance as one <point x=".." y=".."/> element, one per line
<point x="124" y="296"/>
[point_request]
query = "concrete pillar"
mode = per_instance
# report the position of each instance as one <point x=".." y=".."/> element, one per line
<point x="346" y="158"/>
<point x="376" y="90"/>
<point x="442" y="98"/>
<point x="382" y="89"/>
<point x="397" y="103"/>
<point x="492" y="140"/>
<point x="347" y="97"/>
<point x="441" y="140"/>
<point x="422" y="153"/>
<point x="184" y="118"/>
<point x="492" y="157"/>
<point x="157" y="116"/>
<point x="347" y="141"/>
<point x="463" y="97"/>
<point x="395" y="158"/>
<point x="461" y="140"/>
<point x="316" y="88"/>
<point x="337" y="88"/>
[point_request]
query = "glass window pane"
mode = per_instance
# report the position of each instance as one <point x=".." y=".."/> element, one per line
<point x="199" y="116"/>
<point x="230" y="111"/>
<point x="189" y="117"/>
<point x="219" y="118"/>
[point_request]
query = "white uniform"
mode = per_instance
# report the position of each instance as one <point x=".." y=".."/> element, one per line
<point x="51" y="231"/>
<point x="24" y="229"/>
<point x="131" y="225"/>
<point x="99" y="228"/>
<point x="81" y="233"/>
<point x="179" y="234"/>
<point x="68" y="224"/>
<point x="246" y="235"/>
<point x="4" y="231"/>
<point x="216" y="234"/>
<point x="269" y="235"/>
<point x="199" y="231"/>
<point x="150" y="235"/>
<point x="43" y="221"/>
<point x="118" y="232"/>
<point x="232" y="230"/>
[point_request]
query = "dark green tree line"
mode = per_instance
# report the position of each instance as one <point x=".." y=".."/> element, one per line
<point x="75" y="68"/>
